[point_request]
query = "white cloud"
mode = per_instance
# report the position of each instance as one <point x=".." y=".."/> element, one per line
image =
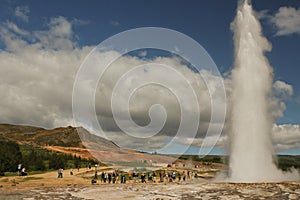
<point x="16" y="29"/>
<point x="10" y="35"/>
<point x="22" y="13"/>
<point x="125" y="141"/>
<point x="262" y="14"/>
<point x="286" y="136"/>
<point x="58" y="36"/>
<point x="114" y="23"/>
<point x="283" y="89"/>
<point x="143" y="53"/>
<point x="144" y="98"/>
<point x="80" y="22"/>
<point x="283" y="92"/>
<point x="37" y="76"/>
<point x="37" y="72"/>
<point x="287" y="21"/>
<point x="198" y="142"/>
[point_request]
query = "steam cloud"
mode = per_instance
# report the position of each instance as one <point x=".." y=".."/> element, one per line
<point x="251" y="150"/>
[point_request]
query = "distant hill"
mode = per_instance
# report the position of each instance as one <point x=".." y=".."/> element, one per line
<point x="63" y="136"/>
<point x="68" y="140"/>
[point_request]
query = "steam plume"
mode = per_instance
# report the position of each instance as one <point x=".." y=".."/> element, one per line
<point x="251" y="151"/>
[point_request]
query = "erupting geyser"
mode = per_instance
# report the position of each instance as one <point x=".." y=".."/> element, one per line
<point x="251" y="152"/>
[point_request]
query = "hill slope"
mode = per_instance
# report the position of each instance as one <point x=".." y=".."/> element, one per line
<point x="63" y="136"/>
<point x="67" y="140"/>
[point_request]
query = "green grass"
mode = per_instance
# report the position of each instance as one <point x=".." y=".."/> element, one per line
<point x="132" y="164"/>
<point x="29" y="178"/>
<point x="29" y="173"/>
<point x="10" y="174"/>
<point x="39" y="172"/>
<point x="208" y="158"/>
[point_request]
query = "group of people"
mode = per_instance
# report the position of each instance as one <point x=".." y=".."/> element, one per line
<point x="113" y="177"/>
<point x="21" y="171"/>
<point x="108" y="178"/>
<point x="161" y="176"/>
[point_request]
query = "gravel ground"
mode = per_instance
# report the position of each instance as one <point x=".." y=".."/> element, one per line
<point x="183" y="190"/>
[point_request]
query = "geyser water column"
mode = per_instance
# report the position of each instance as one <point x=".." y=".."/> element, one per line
<point x="251" y="151"/>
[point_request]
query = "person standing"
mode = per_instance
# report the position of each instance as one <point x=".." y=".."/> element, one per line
<point x="23" y="172"/>
<point x="173" y="176"/>
<point x="59" y="173"/>
<point x="105" y="177"/>
<point x="19" y="168"/>
<point x="161" y="176"/>
<point x="143" y="178"/>
<point x="109" y="178"/>
<point x="184" y="176"/>
<point x="102" y="177"/>
<point x="123" y="179"/>
<point x="114" y="177"/>
<point x="179" y="176"/>
<point x="150" y="177"/>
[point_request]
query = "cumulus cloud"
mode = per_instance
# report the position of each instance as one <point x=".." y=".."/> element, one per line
<point x="143" y="53"/>
<point x="37" y="75"/>
<point x="287" y="21"/>
<point x="150" y="144"/>
<point x="282" y="93"/>
<point x="22" y="13"/>
<point x="58" y="36"/>
<point x="283" y="89"/>
<point x="286" y="136"/>
<point x="13" y="27"/>
<point x="38" y="70"/>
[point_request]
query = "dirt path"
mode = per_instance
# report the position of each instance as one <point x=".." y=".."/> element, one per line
<point x="82" y="152"/>
<point x="48" y="179"/>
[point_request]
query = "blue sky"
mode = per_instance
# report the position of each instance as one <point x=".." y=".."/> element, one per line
<point x="207" y="22"/>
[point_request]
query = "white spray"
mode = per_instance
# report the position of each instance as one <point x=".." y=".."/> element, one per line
<point x="251" y="152"/>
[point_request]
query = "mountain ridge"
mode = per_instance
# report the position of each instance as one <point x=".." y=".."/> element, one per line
<point x="76" y="141"/>
<point x="61" y="136"/>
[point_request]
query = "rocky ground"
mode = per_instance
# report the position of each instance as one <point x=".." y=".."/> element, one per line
<point x="47" y="186"/>
<point x="194" y="189"/>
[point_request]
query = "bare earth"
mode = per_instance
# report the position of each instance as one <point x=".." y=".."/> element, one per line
<point x="48" y="186"/>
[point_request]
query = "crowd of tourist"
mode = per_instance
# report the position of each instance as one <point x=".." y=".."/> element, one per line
<point x="144" y="177"/>
<point x="160" y="176"/>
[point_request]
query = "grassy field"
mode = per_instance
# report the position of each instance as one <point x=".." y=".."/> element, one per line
<point x="284" y="162"/>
